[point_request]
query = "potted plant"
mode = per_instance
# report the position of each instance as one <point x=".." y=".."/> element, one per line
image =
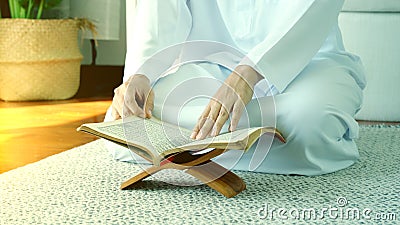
<point x="39" y="58"/>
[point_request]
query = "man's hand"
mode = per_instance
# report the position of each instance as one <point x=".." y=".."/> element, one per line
<point x="134" y="97"/>
<point x="231" y="98"/>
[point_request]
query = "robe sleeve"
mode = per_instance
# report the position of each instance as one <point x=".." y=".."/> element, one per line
<point x="298" y="32"/>
<point x="155" y="26"/>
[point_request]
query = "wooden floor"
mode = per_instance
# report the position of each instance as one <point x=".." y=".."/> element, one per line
<point x="31" y="131"/>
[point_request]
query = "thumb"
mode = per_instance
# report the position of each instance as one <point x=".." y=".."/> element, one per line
<point x="149" y="104"/>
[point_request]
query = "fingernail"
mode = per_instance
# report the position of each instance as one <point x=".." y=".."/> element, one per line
<point x="148" y="114"/>
<point x="193" y="135"/>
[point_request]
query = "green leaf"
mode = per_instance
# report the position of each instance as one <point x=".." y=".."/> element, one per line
<point x="24" y="3"/>
<point x="26" y="8"/>
<point x="51" y="3"/>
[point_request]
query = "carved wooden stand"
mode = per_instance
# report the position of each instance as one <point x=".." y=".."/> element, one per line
<point x="200" y="166"/>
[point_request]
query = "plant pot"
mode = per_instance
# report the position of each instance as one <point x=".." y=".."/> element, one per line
<point x="39" y="59"/>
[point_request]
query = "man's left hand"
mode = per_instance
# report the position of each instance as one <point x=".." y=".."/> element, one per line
<point x="230" y="99"/>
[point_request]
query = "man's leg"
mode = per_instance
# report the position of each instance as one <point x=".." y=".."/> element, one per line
<point x="315" y="114"/>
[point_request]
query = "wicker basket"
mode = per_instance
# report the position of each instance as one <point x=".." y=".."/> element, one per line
<point x="39" y="59"/>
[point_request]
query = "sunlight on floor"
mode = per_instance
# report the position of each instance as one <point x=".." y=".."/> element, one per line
<point x="46" y="115"/>
<point x="30" y="131"/>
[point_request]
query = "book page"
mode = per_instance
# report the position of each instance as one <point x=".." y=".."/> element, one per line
<point x="159" y="139"/>
<point x="152" y="135"/>
<point x="230" y="139"/>
<point x="118" y="130"/>
<point x="158" y="136"/>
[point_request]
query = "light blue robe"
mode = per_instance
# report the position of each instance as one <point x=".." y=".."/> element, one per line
<point x="311" y="91"/>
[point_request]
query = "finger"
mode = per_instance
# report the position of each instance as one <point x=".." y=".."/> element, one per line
<point x="215" y="108"/>
<point x="131" y="107"/>
<point x="205" y="129"/>
<point x="149" y="104"/>
<point x="237" y="111"/>
<point x="117" y="102"/>
<point x="219" y="123"/>
<point x="196" y="129"/>
<point x="200" y="121"/>
<point x="114" y="111"/>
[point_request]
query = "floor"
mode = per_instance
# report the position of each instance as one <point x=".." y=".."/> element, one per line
<point x="31" y="131"/>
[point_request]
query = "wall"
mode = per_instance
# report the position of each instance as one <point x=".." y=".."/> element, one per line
<point x="109" y="52"/>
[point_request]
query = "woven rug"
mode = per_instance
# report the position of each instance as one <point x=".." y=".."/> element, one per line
<point x="81" y="186"/>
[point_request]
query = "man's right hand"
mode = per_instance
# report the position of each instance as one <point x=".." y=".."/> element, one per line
<point x="134" y="97"/>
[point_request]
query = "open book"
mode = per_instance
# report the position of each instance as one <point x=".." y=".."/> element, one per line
<point x="157" y="141"/>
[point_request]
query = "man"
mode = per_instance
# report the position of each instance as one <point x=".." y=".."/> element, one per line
<point x="265" y="62"/>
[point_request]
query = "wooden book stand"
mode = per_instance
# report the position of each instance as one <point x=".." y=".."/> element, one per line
<point x="199" y="166"/>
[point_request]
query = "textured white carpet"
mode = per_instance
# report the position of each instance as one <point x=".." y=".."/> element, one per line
<point x="81" y="186"/>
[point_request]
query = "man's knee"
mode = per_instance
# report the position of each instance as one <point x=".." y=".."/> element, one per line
<point x="322" y="136"/>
